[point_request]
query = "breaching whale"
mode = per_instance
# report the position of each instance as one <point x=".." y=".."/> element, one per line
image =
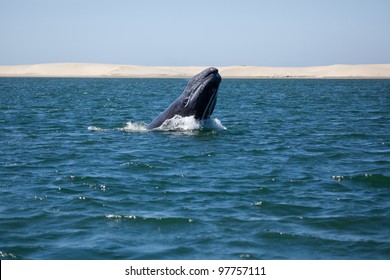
<point x="198" y="99"/>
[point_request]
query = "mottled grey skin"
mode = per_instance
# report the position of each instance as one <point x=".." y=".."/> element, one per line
<point x="198" y="99"/>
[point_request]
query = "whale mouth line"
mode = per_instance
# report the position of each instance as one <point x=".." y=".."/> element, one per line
<point x="210" y="105"/>
<point x="208" y="81"/>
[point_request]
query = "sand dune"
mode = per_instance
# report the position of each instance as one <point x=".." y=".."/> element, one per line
<point x="133" y="71"/>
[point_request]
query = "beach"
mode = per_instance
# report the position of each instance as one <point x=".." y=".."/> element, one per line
<point x="86" y="70"/>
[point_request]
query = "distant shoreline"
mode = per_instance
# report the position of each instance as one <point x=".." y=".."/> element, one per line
<point x="90" y="70"/>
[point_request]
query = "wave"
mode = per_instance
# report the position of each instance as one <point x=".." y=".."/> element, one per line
<point x="95" y="128"/>
<point x="135" y="127"/>
<point x="163" y="220"/>
<point x="5" y="255"/>
<point x="376" y="180"/>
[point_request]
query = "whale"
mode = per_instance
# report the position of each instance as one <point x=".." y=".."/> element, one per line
<point x="198" y="99"/>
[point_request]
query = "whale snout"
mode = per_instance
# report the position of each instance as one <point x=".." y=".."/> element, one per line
<point x="212" y="70"/>
<point x="211" y="73"/>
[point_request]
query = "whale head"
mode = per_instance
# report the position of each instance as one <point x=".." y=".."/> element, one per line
<point x="198" y="99"/>
<point x="200" y="96"/>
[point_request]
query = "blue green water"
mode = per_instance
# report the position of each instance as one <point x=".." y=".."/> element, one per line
<point x="302" y="171"/>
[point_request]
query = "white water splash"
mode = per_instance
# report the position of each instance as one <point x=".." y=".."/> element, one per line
<point x="179" y="123"/>
<point x="135" y="127"/>
<point x="213" y="124"/>
<point x="95" y="128"/>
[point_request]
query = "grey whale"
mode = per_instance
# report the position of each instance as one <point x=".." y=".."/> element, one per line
<point x="198" y="99"/>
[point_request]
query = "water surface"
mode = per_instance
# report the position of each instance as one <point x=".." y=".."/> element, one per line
<point x="302" y="171"/>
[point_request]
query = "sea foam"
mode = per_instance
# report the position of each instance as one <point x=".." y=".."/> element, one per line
<point x="177" y="123"/>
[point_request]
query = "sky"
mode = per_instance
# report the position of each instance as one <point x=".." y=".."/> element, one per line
<point x="273" y="33"/>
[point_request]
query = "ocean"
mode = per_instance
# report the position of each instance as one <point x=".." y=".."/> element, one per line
<point x="285" y="169"/>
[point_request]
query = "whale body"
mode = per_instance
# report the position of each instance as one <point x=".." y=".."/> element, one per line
<point x="198" y="99"/>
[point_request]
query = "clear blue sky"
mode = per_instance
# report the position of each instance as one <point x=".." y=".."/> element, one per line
<point x="202" y="32"/>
